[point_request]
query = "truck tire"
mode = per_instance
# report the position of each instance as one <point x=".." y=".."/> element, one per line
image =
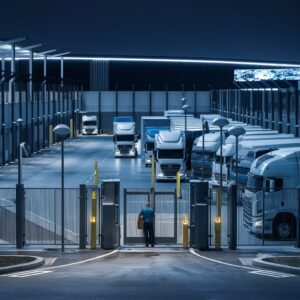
<point x="284" y="227"/>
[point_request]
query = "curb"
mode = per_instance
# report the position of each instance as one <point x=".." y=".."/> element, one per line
<point x="260" y="262"/>
<point x="37" y="262"/>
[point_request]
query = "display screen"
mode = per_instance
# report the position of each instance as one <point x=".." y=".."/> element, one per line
<point x="267" y="74"/>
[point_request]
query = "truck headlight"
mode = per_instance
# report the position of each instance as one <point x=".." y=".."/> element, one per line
<point x="160" y="174"/>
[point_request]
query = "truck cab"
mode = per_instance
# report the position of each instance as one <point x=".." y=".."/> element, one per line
<point x="124" y="137"/>
<point x="169" y="155"/>
<point x="89" y="125"/>
<point x="203" y="157"/>
<point x="271" y="199"/>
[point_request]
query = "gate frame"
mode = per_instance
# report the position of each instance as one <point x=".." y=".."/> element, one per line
<point x="140" y="240"/>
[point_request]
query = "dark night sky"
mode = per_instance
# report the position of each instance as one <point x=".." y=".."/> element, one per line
<point x="260" y="30"/>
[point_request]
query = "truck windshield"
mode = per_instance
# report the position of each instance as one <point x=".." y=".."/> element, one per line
<point x="149" y="146"/>
<point x="206" y="156"/>
<point x="125" y="138"/>
<point x="224" y="158"/>
<point x="255" y="182"/>
<point x="123" y="119"/>
<point x="164" y="153"/>
<point x="89" y="123"/>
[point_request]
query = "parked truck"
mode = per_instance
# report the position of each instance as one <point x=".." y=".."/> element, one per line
<point x="260" y="140"/>
<point x="89" y="124"/>
<point x="150" y="126"/>
<point x="169" y="155"/>
<point x="271" y="199"/>
<point x="124" y="137"/>
<point x="203" y="157"/>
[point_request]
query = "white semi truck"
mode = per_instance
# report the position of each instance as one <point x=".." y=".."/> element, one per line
<point x="150" y="126"/>
<point x="89" y="124"/>
<point x="169" y="155"/>
<point x="260" y="141"/>
<point x="124" y="137"/>
<point x="271" y="200"/>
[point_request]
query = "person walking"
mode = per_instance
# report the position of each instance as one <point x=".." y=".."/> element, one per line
<point x="147" y="213"/>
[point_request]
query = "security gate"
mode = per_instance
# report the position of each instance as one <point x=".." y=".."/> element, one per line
<point x="165" y="207"/>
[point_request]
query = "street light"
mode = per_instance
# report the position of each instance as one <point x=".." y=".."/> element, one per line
<point x="219" y="122"/>
<point x="76" y="120"/>
<point x="235" y="131"/>
<point x="185" y="107"/>
<point x="62" y="131"/>
<point x="205" y="129"/>
<point x="20" y="122"/>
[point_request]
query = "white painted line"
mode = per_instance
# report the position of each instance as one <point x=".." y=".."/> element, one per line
<point x="82" y="261"/>
<point x="246" y="261"/>
<point x="253" y="270"/>
<point x="272" y="274"/>
<point x="49" y="261"/>
<point x="27" y="274"/>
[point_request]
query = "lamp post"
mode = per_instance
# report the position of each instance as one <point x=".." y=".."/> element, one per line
<point x="219" y="122"/>
<point x="20" y="122"/>
<point x="235" y="131"/>
<point x="62" y="131"/>
<point x="77" y="121"/>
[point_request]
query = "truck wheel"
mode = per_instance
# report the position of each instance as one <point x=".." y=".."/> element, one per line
<point x="284" y="227"/>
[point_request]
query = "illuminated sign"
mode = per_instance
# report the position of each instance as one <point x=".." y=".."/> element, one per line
<point x="267" y="74"/>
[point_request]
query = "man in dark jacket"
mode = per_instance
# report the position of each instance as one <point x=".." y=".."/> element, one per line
<point x="148" y="216"/>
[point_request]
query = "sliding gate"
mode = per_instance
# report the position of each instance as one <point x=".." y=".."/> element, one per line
<point x="164" y="203"/>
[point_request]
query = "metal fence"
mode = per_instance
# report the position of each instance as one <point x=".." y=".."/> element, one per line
<point x="264" y="217"/>
<point x="42" y="216"/>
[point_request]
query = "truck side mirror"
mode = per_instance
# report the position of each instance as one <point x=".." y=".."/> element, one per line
<point x="136" y="138"/>
<point x="114" y="138"/>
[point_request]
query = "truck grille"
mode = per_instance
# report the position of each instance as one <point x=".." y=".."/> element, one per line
<point x="170" y="169"/>
<point x="247" y="212"/>
<point x="124" y="149"/>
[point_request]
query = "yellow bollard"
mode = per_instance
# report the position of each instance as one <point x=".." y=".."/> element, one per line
<point x="96" y="173"/>
<point x="185" y="232"/>
<point x="218" y="223"/>
<point x="178" y="190"/>
<point x="153" y="172"/>
<point x="93" y="220"/>
<point x="50" y="135"/>
<point x="71" y="129"/>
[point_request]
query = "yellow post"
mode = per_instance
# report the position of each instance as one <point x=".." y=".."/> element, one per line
<point x="71" y="129"/>
<point x="153" y="172"/>
<point x="93" y="218"/>
<point x="185" y="232"/>
<point x="218" y="222"/>
<point x="96" y="173"/>
<point x="50" y="135"/>
<point x="178" y="190"/>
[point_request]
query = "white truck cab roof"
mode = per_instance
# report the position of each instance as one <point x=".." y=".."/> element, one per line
<point x="169" y="139"/>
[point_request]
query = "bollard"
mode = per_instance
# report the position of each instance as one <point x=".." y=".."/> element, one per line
<point x="218" y="224"/>
<point x="50" y="135"/>
<point x="93" y="220"/>
<point x="152" y="172"/>
<point x="71" y="129"/>
<point x="178" y="189"/>
<point x="185" y="232"/>
<point x="218" y="233"/>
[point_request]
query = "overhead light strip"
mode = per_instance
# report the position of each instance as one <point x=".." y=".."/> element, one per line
<point x="171" y="60"/>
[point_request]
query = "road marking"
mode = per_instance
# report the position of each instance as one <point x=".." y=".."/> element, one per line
<point x="252" y="270"/>
<point x="49" y="261"/>
<point x="43" y="271"/>
<point x="28" y="274"/>
<point x="272" y="274"/>
<point x="246" y="261"/>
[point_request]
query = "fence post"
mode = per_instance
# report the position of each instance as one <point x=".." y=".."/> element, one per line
<point x="233" y="217"/>
<point x="20" y="216"/>
<point x="82" y="217"/>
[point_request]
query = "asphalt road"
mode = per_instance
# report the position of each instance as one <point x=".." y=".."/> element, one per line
<point x="150" y="275"/>
<point x="44" y="168"/>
